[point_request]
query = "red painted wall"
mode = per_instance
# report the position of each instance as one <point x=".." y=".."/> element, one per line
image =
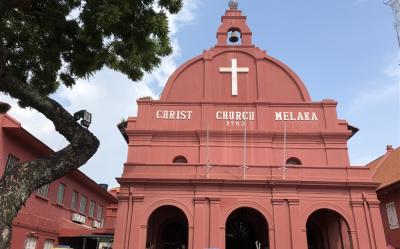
<point x="388" y="196"/>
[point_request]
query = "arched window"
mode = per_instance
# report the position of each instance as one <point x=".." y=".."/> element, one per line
<point x="180" y="159"/>
<point x="293" y="161"/>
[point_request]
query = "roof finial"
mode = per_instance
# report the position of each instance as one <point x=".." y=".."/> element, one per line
<point x="233" y="4"/>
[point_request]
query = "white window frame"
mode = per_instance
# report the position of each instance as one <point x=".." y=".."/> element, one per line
<point x="48" y="244"/>
<point x="83" y="204"/>
<point x="92" y="206"/>
<point x="30" y="242"/>
<point x="60" y="194"/>
<point x="392" y="215"/>
<point x="43" y="191"/>
<point x="99" y="212"/>
<point x="11" y="161"/>
<point x="74" y="200"/>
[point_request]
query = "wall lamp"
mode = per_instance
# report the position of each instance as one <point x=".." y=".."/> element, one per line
<point x="85" y="116"/>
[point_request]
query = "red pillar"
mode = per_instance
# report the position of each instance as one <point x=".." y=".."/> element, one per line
<point x="281" y="224"/>
<point x="121" y="226"/>
<point x="299" y="238"/>
<point x="136" y="239"/>
<point x="361" y="225"/>
<point x="376" y="220"/>
<point x="214" y="223"/>
<point x="200" y="221"/>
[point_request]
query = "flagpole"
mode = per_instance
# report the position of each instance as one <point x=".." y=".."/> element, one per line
<point x="208" y="166"/>
<point x="284" y="168"/>
<point x="244" y="150"/>
<point x="244" y="166"/>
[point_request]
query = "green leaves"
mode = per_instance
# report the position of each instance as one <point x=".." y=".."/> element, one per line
<point x="53" y="42"/>
<point x="171" y="5"/>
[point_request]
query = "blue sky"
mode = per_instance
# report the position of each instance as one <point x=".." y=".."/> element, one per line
<point x="344" y="50"/>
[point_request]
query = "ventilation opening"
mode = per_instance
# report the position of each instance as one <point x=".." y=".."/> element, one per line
<point x="180" y="159"/>
<point x="293" y="161"/>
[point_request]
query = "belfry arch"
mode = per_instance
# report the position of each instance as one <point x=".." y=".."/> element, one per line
<point x="167" y="228"/>
<point x="246" y="228"/>
<point x="327" y="229"/>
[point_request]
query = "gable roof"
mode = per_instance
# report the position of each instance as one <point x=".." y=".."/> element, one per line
<point x="386" y="169"/>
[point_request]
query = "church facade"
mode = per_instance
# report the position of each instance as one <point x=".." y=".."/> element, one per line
<point x="235" y="155"/>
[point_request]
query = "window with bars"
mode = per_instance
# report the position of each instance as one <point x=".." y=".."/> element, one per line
<point x="392" y="215"/>
<point x="30" y="243"/>
<point x="48" y="244"/>
<point x="60" y="194"/>
<point x="82" y="207"/>
<point x="74" y="200"/>
<point x="43" y="191"/>
<point x="99" y="212"/>
<point x="12" y="161"/>
<point x="92" y="206"/>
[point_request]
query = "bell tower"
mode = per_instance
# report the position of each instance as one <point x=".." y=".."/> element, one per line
<point x="233" y="27"/>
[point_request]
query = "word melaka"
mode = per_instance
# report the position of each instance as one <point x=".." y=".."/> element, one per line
<point x="238" y="116"/>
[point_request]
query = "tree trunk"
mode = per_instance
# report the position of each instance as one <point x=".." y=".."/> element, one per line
<point x="18" y="183"/>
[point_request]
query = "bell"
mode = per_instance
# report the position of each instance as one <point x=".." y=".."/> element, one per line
<point x="234" y="37"/>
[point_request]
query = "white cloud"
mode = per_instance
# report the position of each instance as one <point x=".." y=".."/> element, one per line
<point x="185" y="16"/>
<point x="374" y="96"/>
<point x="176" y="22"/>
<point x="385" y="88"/>
<point x="34" y="122"/>
<point x="167" y="67"/>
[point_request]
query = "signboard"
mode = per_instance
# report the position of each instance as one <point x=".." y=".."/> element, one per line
<point x="237" y="117"/>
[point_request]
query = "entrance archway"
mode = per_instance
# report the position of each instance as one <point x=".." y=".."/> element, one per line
<point x="244" y="228"/>
<point x="167" y="228"/>
<point x="327" y="229"/>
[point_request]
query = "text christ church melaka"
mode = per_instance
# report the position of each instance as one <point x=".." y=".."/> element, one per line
<point x="235" y="155"/>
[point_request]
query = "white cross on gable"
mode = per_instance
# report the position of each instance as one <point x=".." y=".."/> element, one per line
<point x="234" y="70"/>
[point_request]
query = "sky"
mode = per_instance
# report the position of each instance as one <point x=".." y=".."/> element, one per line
<point x="344" y="50"/>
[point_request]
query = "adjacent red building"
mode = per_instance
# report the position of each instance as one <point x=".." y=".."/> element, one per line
<point x="71" y="211"/>
<point x="386" y="171"/>
<point x="236" y="155"/>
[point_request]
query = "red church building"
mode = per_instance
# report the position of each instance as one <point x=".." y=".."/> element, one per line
<point x="236" y="155"/>
<point x="72" y="211"/>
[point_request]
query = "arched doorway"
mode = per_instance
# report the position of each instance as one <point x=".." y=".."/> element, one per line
<point x="167" y="228"/>
<point x="246" y="228"/>
<point x="327" y="229"/>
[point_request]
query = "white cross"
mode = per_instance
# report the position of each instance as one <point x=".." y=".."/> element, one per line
<point x="234" y="70"/>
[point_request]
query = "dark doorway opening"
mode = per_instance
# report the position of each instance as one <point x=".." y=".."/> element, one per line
<point x="246" y="228"/>
<point x="327" y="229"/>
<point x="167" y="229"/>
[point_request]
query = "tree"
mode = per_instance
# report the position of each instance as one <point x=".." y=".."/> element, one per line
<point x="47" y="43"/>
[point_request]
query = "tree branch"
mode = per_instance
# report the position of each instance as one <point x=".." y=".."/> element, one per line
<point x="18" y="183"/>
<point x="3" y="57"/>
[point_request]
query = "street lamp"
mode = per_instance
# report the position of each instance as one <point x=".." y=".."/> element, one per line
<point x="85" y="116"/>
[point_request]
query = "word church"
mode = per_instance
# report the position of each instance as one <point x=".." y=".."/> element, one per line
<point x="236" y="155"/>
